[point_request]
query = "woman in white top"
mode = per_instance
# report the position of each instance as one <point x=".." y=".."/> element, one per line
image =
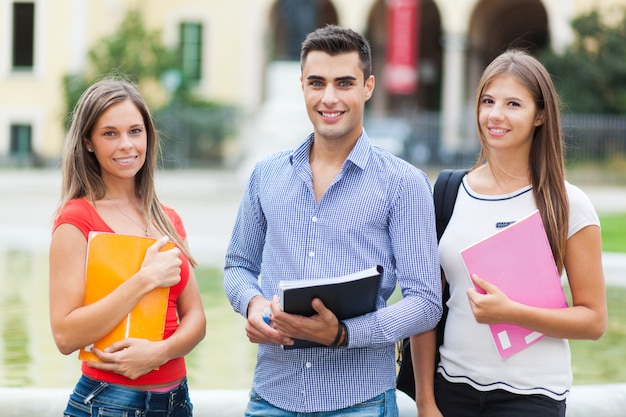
<point x="520" y="169"/>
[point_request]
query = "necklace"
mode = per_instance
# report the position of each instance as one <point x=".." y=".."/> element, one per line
<point x="147" y="228"/>
<point x="508" y="174"/>
<point x="512" y="182"/>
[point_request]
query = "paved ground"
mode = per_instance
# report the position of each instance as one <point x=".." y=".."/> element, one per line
<point x="207" y="201"/>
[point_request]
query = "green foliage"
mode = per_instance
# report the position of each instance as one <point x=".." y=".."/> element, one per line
<point x="206" y="125"/>
<point x="131" y="52"/>
<point x="591" y="73"/>
<point x="614" y="232"/>
<point x="602" y="361"/>
<point x="226" y="358"/>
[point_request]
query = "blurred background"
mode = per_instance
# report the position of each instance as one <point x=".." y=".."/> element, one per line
<point x="222" y="80"/>
<point x="222" y="76"/>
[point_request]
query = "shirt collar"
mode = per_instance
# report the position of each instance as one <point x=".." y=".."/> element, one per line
<point x="359" y="155"/>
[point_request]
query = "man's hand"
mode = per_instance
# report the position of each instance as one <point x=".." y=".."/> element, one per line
<point x="257" y="330"/>
<point x="321" y="327"/>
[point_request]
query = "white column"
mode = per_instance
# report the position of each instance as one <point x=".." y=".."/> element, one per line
<point x="560" y="14"/>
<point x="453" y="87"/>
<point x="78" y="36"/>
<point x="282" y="121"/>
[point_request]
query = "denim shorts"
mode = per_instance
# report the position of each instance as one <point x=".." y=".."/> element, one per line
<point x="383" y="405"/>
<point x="93" y="398"/>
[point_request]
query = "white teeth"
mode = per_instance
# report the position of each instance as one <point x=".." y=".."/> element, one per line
<point x="124" y="160"/>
<point x="331" y="114"/>
<point x="499" y="131"/>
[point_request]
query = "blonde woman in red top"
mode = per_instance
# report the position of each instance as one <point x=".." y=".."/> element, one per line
<point x="108" y="168"/>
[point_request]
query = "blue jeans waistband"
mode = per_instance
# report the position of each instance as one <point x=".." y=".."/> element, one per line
<point x="89" y="390"/>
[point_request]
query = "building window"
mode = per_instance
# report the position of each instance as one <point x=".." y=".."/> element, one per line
<point x="21" y="141"/>
<point x="23" y="36"/>
<point x="191" y="51"/>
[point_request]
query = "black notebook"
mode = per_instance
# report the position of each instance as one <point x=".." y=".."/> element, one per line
<point x="346" y="296"/>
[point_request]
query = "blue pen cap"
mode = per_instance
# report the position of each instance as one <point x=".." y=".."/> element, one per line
<point x="266" y="315"/>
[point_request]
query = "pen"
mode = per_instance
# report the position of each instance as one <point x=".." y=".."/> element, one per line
<point x="266" y="315"/>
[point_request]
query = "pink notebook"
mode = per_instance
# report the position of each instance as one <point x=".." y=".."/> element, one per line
<point x="519" y="261"/>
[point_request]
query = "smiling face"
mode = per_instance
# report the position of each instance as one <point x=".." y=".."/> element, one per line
<point x="335" y="95"/>
<point x="507" y="115"/>
<point x="119" y="141"/>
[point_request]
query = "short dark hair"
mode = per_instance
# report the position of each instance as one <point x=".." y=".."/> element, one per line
<point x="334" y="40"/>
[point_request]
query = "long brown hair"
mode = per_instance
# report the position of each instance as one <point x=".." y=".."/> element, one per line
<point x="81" y="170"/>
<point x="547" y="171"/>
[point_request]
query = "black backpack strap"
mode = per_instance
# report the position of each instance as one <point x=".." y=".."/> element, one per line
<point x="445" y="191"/>
<point x="445" y="198"/>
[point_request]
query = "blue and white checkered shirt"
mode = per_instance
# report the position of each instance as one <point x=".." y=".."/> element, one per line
<point x="378" y="211"/>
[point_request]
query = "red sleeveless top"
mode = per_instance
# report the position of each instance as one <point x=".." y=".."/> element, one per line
<point x="81" y="214"/>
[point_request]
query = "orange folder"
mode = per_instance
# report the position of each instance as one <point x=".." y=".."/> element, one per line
<point x="112" y="259"/>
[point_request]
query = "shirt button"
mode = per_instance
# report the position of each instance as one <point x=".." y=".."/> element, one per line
<point x="314" y="218"/>
<point x="308" y="364"/>
<point x="311" y="254"/>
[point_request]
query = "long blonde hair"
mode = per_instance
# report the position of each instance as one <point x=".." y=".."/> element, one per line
<point x="546" y="160"/>
<point x="80" y="169"/>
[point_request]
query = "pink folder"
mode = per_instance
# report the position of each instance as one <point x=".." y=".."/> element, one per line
<point x="519" y="261"/>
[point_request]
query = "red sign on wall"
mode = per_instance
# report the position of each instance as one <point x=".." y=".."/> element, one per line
<point x="402" y="46"/>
